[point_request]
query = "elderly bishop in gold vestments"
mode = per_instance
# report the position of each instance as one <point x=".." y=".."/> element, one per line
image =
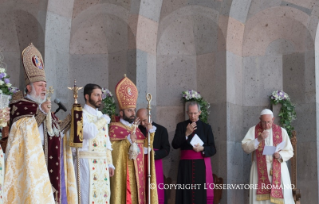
<point x="39" y="166"/>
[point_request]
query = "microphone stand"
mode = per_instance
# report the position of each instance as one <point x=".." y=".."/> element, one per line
<point x="57" y="110"/>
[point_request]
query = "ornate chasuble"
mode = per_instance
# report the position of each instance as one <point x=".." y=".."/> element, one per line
<point x="25" y="108"/>
<point x="266" y="190"/>
<point x="98" y="163"/>
<point x="130" y="176"/>
<point x="26" y="177"/>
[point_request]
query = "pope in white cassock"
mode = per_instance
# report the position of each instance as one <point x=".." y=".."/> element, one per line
<point x="96" y="165"/>
<point x="269" y="172"/>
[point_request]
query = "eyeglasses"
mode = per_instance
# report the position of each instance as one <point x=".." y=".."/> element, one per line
<point x="266" y="122"/>
<point x="192" y="113"/>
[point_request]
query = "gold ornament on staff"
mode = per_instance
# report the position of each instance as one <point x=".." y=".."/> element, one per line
<point x="75" y="90"/>
<point x="149" y="99"/>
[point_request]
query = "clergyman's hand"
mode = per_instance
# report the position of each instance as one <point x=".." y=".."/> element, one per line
<point x="46" y="106"/>
<point x="191" y="127"/>
<point x="263" y="136"/>
<point x="198" y="148"/>
<point x="148" y="126"/>
<point x="137" y="121"/>
<point x="277" y="155"/>
<point x="133" y="137"/>
<point x="111" y="172"/>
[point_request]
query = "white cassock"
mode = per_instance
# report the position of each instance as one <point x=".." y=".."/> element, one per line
<point x="249" y="145"/>
<point x="95" y="157"/>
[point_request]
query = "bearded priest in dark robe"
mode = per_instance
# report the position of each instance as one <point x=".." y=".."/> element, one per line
<point x="39" y="166"/>
<point x="128" y="183"/>
<point x="195" y="174"/>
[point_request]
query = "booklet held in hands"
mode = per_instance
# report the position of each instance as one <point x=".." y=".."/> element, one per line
<point x="196" y="141"/>
<point x="270" y="150"/>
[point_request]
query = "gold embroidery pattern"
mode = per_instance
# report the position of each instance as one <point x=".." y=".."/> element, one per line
<point x="273" y="194"/>
<point x="24" y="184"/>
<point x="16" y="96"/>
<point x="99" y="172"/>
<point x="14" y="109"/>
<point x="80" y="129"/>
<point x="66" y="123"/>
<point x="40" y="117"/>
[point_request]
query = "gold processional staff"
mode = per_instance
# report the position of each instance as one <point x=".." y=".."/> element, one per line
<point x="76" y="133"/>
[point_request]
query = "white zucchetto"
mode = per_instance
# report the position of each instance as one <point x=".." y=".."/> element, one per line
<point x="266" y="112"/>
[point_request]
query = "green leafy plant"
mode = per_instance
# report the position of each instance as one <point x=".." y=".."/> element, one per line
<point x="191" y="95"/>
<point x="287" y="112"/>
<point x="108" y="101"/>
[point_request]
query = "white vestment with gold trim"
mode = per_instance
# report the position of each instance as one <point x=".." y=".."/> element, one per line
<point x="95" y="157"/>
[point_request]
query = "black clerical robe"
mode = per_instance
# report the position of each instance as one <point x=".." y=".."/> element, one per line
<point x="160" y="144"/>
<point x="193" y="171"/>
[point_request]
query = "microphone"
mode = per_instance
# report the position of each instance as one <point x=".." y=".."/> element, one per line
<point x="61" y="106"/>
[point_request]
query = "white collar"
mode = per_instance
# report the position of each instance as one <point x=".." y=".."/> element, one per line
<point x="92" y="111"/>
<point x="124" y="122"/>
<point x="29" y="97"/>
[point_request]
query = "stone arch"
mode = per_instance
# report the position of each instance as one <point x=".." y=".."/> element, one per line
<point x="22" y="23"/>
<point x="272" y="35"/>
<point x="278" y="53"/>
<point x="190" y="55"/>
<point x="102" y="39"/>
<point x="28" y="29"/>
<point x="98" y="9"/>
<point x="176" y="36"/>
<point x="21" y="26"/>
<point x="272" y="24"/>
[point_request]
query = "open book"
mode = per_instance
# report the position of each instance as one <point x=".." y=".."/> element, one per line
<point x="270" y="150"/>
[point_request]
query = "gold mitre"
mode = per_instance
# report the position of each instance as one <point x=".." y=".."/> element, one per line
<point x="126" y="93"/>
<point x="33" y="65"/>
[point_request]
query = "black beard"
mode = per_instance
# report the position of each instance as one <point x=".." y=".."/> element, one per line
<point x="127" y="118"/>
<point x="93" y="103"/>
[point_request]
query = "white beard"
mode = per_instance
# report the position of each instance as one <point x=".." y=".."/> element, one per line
<point x="33" y="96"/>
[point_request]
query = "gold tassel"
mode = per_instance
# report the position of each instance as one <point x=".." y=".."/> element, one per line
<point x="49" y="124"/>
<point x="263" y="197"/>
<point x="277" y="200"/>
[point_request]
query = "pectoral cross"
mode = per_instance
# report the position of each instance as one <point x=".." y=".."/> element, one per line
<point x="50" y="91"/>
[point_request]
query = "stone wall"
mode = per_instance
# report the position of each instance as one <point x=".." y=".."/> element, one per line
<point x="235" y="52"/>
